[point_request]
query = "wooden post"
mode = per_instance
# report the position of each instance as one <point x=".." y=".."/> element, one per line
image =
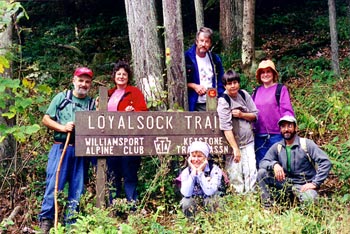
<point x="101" y="161"/>
<point x="212" y="100"/>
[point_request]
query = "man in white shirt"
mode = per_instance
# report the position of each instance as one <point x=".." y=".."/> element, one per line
<point x="203" y="70"/>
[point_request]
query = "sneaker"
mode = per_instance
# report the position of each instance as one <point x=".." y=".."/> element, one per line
<point x="45" y="225"/>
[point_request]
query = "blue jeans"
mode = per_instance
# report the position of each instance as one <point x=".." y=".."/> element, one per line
<point x="72" y="171"/>
<point x="124" y="167"/>
<point x="263" y="142"/>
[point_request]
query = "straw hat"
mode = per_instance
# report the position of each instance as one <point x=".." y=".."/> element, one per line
<point x="265" y="64"/>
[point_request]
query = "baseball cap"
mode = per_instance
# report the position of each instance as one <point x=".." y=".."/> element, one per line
<point x="83" y="71"/>
<point x="287" y="118"/>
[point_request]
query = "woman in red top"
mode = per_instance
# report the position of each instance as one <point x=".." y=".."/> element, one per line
<point x="124" y="97"/>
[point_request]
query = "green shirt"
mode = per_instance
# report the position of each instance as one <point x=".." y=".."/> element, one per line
<point x="67" y="114"/>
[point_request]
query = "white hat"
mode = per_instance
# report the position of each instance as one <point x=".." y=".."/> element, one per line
<point x="199" y="146"/>
<point x="287" y="118"/>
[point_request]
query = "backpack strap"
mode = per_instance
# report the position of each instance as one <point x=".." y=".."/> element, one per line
<point x="91" y="104"/>
<point x="211" y="164"/>
<point x="227" y="98"/>
<point x="67" y="99"/>
<point x="279" y="148"/>
<point x="254" y="92"/>
<point x="304" y="147"/>
<point x="242" y="94"/>
<point x="278" y="93"/>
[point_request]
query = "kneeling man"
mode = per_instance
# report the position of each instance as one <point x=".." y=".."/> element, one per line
<point x="295" y="164"/>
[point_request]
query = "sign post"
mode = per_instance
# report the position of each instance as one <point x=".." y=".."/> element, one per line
<point x="101" y="172"/>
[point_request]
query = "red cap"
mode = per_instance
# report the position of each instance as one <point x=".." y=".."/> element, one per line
<point x="83" y="71"/>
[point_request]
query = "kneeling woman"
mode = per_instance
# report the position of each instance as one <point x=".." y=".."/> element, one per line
<point x="200" y="181"/>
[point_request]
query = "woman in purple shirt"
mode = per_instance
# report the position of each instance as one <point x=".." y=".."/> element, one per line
<point x="271" y="108"/>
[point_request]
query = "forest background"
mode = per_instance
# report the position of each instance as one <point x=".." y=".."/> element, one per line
<point x="52" y="38"/>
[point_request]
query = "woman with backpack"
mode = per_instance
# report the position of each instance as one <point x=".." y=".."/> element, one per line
<point x="273" y="101"/>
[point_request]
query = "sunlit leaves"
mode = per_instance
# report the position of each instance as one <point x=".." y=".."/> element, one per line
<point x="28" y="83"/>
<point x="4" y="63"/>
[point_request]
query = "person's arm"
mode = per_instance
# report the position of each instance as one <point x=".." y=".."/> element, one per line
<point x="270" y="158"/>
<point x="321" y="159"/>
<point x="225" y="124"/>
<point x="232" y="142"/>
<point x="211" y="183"/>
<point x="271" y="163"/>
<point x="139" y="103"/>
<point x="251" y="112"/>
<point x="244" y="115"/>
<point x="53" y="125"/>
<point x="286" y="107"/>
<point x="187" y="182"/>
<point x="200" y="89"/>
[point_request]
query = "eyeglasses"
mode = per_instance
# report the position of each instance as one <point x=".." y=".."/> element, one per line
<point x="287" y="125"/>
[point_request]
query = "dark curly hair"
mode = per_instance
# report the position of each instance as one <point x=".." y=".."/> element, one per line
<point x="122" y="64"/>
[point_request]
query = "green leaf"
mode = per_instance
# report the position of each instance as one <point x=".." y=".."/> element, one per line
<point x="32" y="129"/>
<point x="9" y="115"/>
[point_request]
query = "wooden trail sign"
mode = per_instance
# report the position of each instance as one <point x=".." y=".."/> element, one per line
<point x="102" y="133"/>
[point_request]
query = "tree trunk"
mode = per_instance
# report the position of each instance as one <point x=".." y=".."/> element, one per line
<point x="198" y="5"/>
<point x="175" y="64"/>
<point x="248" y="34"/>
<point x="231" y="16"/>
<point x="334" y="37"/>
<point x="146" y="50"/>
<point x="7" y="146"/>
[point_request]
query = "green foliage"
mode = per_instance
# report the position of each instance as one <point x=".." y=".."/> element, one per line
<point x="19" y="101"/>
<point x="341" y="158"/>
<point x="97" y="222"/>
<point x="325" y="115"/>
<point x="53" y="48"/>
<point x="156" y="182"/>
<point x="8" y="9"/>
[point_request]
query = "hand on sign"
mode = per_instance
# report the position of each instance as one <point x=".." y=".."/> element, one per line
<point x="129" y="108"/>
